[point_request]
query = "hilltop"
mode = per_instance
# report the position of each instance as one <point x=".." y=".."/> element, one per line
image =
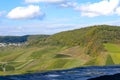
<point x="93" y="45"/>
<point x="92" y="37"/>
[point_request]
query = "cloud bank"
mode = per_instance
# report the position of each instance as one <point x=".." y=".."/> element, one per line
<point x="105" y="7"/>
<point x="29" y="12"/>
<point x="46" y="1"/>
<point x="69" y="4"/>
<point x="118" y="11"/>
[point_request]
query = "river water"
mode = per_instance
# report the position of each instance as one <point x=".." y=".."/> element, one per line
<point x="82" y="73"/>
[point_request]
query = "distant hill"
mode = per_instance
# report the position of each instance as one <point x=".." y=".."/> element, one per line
<point x="90" y="46"/>
<point x="13" y="39"/>
<point x="19" y="39"/>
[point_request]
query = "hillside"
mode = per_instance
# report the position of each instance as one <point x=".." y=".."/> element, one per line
<point x="94" y="45"/>
<point x="92" y="37"/>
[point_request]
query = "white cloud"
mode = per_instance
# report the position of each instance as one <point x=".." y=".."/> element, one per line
<point x="118" y="11"/>
<point x="105" y="7"/>
<point x="29" y="12"/>
<point x="47" y="1"/>
<point x="69" y="4"/>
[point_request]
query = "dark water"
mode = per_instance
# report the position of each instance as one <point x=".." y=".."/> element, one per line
<point x="82" y="73"/>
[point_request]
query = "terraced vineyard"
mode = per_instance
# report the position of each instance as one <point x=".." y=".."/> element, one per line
<point x="37" y="59"/>
<point x="91" y="46"/>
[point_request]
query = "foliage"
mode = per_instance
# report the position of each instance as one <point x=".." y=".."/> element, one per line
<point x="8" y="68"/>
<point x="109" y="60"/>
<point x="34" y="40"/>
<point x="61" y="56"/>
<point x="92" y="38"/>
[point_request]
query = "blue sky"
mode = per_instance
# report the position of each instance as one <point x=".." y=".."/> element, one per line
<point x="23" y="17"/>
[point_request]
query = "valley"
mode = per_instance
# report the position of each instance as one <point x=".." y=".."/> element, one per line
<point x="91" y="46"/>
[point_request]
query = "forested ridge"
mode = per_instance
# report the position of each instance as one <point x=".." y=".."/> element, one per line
<point x="20" y="39"/>
<point x="92" y="37"/>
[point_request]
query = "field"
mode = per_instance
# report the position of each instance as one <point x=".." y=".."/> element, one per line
<point x="114" y="53"/>
<point x="30" y="59"/>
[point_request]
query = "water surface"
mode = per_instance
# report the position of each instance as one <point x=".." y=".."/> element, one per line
<point x="82" y="73"/>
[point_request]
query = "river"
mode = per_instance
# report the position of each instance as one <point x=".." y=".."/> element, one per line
<point x="82" y="73"/>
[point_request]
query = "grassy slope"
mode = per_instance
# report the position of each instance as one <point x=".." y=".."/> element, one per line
<point x="82" y="47"/>
<point x="114" y="52"/>
<point x="42" y="59"/>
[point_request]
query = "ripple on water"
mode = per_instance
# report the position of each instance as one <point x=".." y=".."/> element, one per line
<point x="52" y="75"/>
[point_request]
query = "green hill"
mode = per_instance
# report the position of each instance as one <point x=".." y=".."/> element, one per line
<point x="92" y="38"/>
<point x="89" y="46"/>
<point x="21" y="39"/>
<point x="13" y="39"/>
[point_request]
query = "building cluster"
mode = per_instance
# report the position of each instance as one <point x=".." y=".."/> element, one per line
<point x="11" y="44"/>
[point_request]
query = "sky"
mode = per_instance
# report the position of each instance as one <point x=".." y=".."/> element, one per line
<point x="30" y="17"/>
